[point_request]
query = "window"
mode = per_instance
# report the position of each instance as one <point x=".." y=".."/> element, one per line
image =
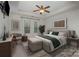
<point x="35" y="27"/>
<point x="26" y="26"/>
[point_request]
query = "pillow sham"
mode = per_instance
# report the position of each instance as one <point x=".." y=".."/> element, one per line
<point x="62" y="34"/>
<point x="55" y="33"/>
<point x="49" y="33"/>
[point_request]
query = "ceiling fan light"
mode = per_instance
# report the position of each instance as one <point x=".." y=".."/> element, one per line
<point x="41" y="11"/>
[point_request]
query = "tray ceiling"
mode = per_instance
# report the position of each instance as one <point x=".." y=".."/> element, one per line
<point x="27" y="7"/>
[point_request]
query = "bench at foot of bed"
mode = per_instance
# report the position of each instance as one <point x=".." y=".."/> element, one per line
<point x="34" y="44"/>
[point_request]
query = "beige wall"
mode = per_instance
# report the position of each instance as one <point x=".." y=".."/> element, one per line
<point x="72" y="20"/>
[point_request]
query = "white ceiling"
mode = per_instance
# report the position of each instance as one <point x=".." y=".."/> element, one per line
<point x="27" y="7"/>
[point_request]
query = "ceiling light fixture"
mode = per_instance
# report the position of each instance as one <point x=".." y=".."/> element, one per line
<point x="42" y="9"/>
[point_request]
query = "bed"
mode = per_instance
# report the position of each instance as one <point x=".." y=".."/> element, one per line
<point x="52" y="42"/>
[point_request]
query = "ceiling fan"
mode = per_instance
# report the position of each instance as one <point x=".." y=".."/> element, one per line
<point x="42" y="9"/>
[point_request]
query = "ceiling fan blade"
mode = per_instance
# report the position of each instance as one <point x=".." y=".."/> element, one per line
<point x="35" y="10"/>
<point x="37" y="6"/>
<point x="41" y="6"/>
<point x="47" y="11"/>
<point x="47" y="7"/>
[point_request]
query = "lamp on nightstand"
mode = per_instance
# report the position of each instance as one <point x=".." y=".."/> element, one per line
<point x="73" y="34"/>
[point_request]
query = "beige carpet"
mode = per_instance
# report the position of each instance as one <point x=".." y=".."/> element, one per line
<point x="40" y="53"/>
<point x="67" y="52"/>
<point x="63" y="52"/>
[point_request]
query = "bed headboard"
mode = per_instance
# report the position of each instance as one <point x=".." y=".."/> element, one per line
<point x="68" y="33"/>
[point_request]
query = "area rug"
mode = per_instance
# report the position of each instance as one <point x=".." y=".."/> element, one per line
<point x="66" y="52"/>
<point x="40" y="53"/>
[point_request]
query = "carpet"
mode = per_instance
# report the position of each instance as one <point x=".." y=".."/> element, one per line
<point x="63" y="52"/>
<point x="67" y="52"/>
<point x="40" y="53"/>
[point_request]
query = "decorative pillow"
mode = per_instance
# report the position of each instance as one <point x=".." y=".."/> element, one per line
<point x="49" y="33"/>
<point x="55" y="33"/>
<point x="62" y="34"/>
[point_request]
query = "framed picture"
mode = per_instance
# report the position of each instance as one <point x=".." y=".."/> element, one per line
<point x="15" y="25"/>
<point x="62" y="23"/>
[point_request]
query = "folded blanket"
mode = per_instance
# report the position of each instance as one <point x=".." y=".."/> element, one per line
<point x="54" y="40"/>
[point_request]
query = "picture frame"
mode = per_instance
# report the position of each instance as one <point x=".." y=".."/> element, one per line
<point x="61" y="23"/>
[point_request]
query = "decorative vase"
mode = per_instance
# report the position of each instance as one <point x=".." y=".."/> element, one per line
<point x="4" y="37"/>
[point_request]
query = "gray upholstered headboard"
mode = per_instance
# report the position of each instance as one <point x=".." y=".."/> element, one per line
<point x="68" y="33"/>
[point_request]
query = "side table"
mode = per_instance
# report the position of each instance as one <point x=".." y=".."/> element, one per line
<point x="75" y="42"/>
<point x="24" y="38"/>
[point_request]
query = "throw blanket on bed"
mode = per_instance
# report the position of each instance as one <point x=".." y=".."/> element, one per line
<point x="55" y="41"/>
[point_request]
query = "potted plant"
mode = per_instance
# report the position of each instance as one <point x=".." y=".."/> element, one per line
<point x="42" y="29"/>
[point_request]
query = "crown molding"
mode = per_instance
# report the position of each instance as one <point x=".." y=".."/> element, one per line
<point x="27" y="15"/>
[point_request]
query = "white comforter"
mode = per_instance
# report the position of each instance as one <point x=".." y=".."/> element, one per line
<point x="47" y="44"/>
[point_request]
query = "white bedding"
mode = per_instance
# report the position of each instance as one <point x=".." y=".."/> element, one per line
<point x="47" y="44"/>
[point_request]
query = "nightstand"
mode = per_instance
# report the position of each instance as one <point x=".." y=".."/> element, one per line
<point x="73" y="42"/>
